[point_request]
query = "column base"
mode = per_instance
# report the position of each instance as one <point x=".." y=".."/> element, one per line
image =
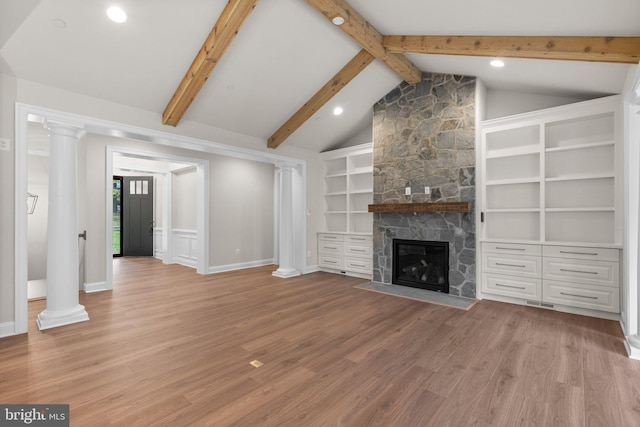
<point x="286" y="273"/>
<point x="632" y="343"/>
<point x="53" y="319"/>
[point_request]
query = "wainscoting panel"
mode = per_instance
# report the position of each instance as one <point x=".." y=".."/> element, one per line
<point x="157" y="243"/>
<point x="185" y="251"/>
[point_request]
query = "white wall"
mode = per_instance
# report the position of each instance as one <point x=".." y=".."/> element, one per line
<point x="363" y="136"/>
<point x="183" y="208"/>
<point x="8" y="93"/>
<point x="241" y="206"/>
<point x="501" y="103"/>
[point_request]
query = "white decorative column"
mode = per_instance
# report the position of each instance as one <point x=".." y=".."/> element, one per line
<point x="63" y="306"/>
<point x="286" y="256"/>
<point x="632" y="217"/>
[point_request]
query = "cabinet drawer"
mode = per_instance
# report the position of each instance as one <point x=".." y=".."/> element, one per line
<point x="517" y="287"/>
<point x="357" y="250"/>
<point x="328" y="261"/>
<point x="330" y="237"/>
<point x="358" y="240"/>
<point x="525" y="266"/>
<point x="358" y="265"/>
<point x="575" y="252"/>
<point x="511" y="248"/>
<point x="601" y="273"/>
<point x="330" y="247"/>
<point x="583" y="296"/>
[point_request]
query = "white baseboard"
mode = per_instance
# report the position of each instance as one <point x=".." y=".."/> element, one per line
<point x="311" y="269"/>
<point x="632" y="351"/>
<point x="240" y="266"/>
<point x="95" y="287"/>
<point x="7" y="329"/>
<point x="187" y="262"/>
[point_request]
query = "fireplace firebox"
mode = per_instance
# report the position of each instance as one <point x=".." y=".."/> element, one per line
<point x="421" y="264"/>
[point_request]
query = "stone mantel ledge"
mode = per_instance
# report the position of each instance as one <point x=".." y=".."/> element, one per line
<point x="420" y="207"/>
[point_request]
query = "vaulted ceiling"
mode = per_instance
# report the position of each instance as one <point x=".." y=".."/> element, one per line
<point x="285" y="51"/>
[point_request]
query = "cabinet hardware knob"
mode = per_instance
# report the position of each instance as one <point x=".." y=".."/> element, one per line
<point x="509" y="286"/>
<point x="579" y="253"/>
<point x="578" y="271"/>
<point x="576" y="295"/>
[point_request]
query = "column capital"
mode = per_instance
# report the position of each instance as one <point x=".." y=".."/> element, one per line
<point x="57" y="127"/>
<point x="286" y="166"/>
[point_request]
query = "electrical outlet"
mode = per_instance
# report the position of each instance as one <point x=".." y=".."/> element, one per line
<point x="407" y="191"/>
<point x="427" y="190"/>
<point x="237" y="251"/>
<point x="5" y="144"/>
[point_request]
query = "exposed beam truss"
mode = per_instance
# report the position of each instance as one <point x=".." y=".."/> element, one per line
<point x="597" y="49"/>
<point x="216" y="44"/>
<point x="367" y="36"/>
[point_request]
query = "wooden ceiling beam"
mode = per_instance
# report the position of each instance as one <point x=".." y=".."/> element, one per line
<point x="367" y="36"/>
<point x="222" y="34"/>
<point x="597" y="49"/>
<point x="332" y="87"/>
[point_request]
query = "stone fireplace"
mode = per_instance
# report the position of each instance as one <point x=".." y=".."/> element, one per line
<point x="424" y="136"/>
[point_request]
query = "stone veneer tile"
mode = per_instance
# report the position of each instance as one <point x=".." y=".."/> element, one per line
<point x="424" y="135"/>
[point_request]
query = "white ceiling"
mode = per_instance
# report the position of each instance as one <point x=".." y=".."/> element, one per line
<point x="286" y="51"/>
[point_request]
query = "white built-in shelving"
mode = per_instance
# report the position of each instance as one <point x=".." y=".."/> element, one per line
<point x="551" y="183"/>
<point x="348" y="189"/>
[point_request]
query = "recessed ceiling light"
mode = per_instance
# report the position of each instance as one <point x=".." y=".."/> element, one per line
<point x="116" y="14"/>
<point x="497" y="63"/>
<point x="337" y="111"/>
<point x="338" y="20"/>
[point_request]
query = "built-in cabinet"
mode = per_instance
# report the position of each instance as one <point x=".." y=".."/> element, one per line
<point x="551" y="204"/>
<point x="345" y="246"/>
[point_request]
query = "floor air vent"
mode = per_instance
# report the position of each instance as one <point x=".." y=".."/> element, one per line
<point x="540" y="304"/>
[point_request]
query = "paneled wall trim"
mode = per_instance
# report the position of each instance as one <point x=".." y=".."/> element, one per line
<point x="185" y="249"/>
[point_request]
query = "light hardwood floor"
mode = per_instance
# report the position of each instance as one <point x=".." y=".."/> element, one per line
<point x="169" y="347"/>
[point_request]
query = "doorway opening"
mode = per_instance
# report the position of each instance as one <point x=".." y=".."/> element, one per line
<point x="116" y="234"/>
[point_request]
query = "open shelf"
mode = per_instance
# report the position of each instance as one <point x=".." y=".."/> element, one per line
<point x="348" y="189"/>
<point x="526" y="166"/>
<point x="583" y="130"/>
<point x="553" y="175"/>
<point x="580" y="146"/>
<point x="512" y="141"/>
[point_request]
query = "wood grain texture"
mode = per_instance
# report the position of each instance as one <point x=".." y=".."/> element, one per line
<point x="420" y="207"/>
<point x="170" y="347"/>
<point x="222" y="34"/>
<point x="596" y="49"/>
<point x="328" y="91"/>
<point x="367" y="36"/>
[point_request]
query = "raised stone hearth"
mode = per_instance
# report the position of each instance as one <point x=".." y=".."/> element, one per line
<point x="424" y="135"/>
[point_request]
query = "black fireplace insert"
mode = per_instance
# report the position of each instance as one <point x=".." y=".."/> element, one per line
<point x="421" y="264"/>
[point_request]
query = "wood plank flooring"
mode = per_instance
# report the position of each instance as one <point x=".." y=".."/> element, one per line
<point x="169" y="347"/>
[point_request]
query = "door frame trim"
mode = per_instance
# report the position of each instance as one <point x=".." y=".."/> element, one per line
<point x="202" y="206"/>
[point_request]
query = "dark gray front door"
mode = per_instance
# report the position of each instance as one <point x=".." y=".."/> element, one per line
<point x="137" y="218"/>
